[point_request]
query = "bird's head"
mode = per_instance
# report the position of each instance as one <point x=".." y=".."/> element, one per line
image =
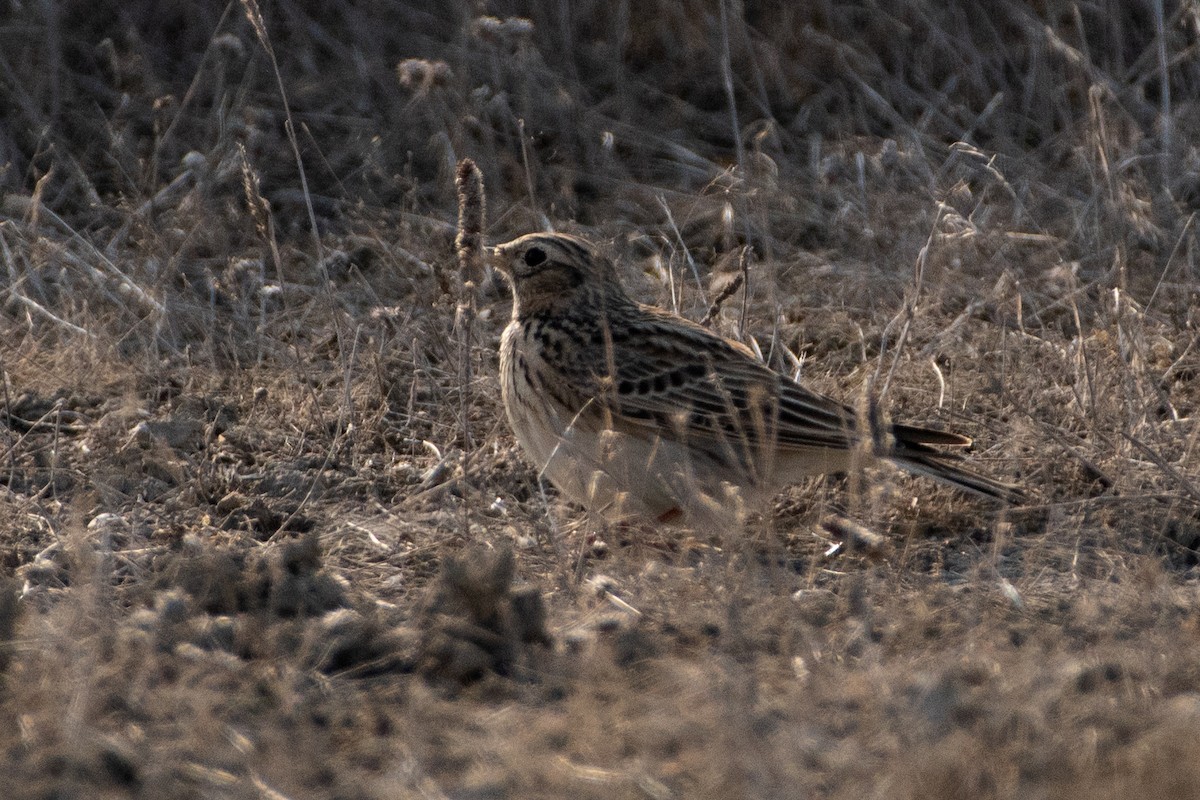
<point x="554" y="270"/>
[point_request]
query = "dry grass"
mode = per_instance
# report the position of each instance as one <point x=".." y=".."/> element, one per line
<point x="264" y="530"/>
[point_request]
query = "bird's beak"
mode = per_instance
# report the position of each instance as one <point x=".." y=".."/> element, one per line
<point x="494" y="285"/>
<point x="497" y="258"/>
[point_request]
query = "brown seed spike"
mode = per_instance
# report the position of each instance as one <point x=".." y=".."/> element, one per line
<point x="468" y="181"/>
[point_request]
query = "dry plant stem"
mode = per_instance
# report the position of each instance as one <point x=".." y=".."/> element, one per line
<point x="264" y="222"/>
<point x="1164" y="91"/>
<point x="472" y="212"/>
<point x="907" y="314"/>
<point x="465" y="324"/>
<point x="8" y="455"/>
<point x="254" y="14"/>
<point x="34" y="425"/>
<point x="37" y="210"/>
<point x="525" y="161"/>
<point x="1179" y="240"/>
<point x="472" y="215"/>
<point x="687" y="256"/>
<point x="1168" y="469"/>
<point x="15" y="278"/>
<point x="348" y="373"/>
<point x="727" y="81"/>
<point x="728" y="292"/>
<point x="54" y="449"/>
<point x="34" y="306"/>
<point x="744" y="268"/>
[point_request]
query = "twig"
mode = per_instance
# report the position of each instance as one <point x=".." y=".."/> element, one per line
<point x="662" y="201"/>
<point x="254" y="14"/>
<point x="910" y="308"/>
<point x="30" y="304"/>
<point x="1158" y="461"/>
<point x="728" y="292"/>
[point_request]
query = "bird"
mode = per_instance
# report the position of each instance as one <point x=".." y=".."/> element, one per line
<point x="637" y="413"/>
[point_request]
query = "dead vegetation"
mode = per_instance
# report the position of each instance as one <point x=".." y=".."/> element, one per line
<point x="264" y="530"/>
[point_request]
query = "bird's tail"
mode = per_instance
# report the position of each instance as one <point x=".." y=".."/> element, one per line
<point x="946" y="468"/>
<point x="912" y="452"/>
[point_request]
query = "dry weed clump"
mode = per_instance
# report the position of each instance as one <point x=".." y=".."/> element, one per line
<point x="263" y="531"/>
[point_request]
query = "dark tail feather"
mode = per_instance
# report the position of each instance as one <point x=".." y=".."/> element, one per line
<point x="945" y="468"/>
<point x="911" y="435"/>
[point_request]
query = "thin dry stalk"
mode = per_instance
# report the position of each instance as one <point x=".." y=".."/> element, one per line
<point x="472" y="210"/>
<point x="254" y="14"/>
<point x="727" y="82"/>
<point x="908" y="313"/>
<point x="728" y="292"/>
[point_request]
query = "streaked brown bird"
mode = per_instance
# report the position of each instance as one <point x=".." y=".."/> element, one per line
<point x="638" y="413"/>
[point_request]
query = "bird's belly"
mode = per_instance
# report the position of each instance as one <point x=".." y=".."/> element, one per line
<point x="623" y="476"/>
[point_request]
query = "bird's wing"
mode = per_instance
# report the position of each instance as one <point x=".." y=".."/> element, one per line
<point x="689" y="384"/>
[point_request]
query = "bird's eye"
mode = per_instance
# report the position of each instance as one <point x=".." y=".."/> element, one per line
<point x="534" y="256"/>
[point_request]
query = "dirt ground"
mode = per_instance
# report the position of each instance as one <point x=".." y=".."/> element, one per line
<point x="264" y="532"/>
